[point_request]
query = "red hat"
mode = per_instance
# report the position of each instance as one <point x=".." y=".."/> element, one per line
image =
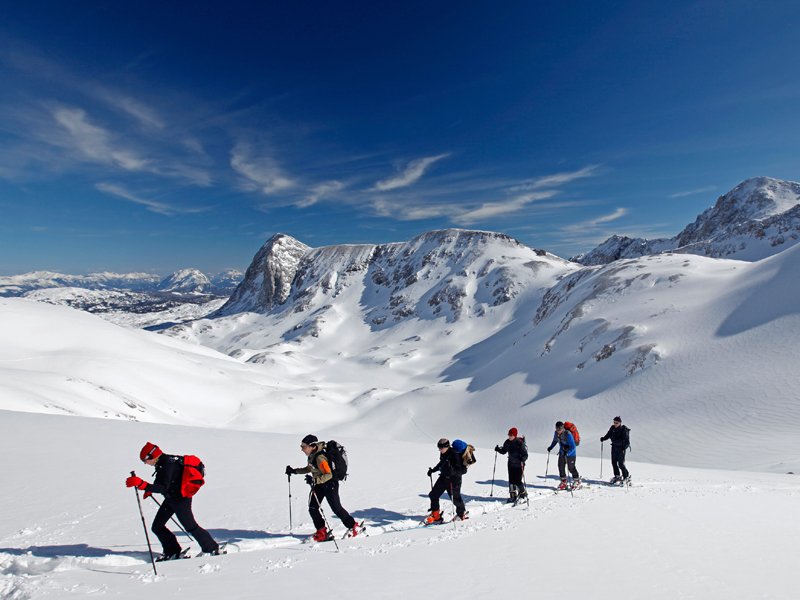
<point x="148" y="451"/>
<point x="513" y="431"/>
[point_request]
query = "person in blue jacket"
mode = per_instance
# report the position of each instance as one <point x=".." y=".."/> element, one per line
<point x="567" y="454"/>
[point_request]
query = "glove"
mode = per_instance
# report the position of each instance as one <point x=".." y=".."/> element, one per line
<point x="430" y="471"/>
<point x="137" y="482"/>
<point x="602" y="439"/>
<point x="289" y="470"/>
<point x="146" y="495"/>
<point x="548" y="450"/>
<point x="309" y="480"/>
<point x="497" y="448"/>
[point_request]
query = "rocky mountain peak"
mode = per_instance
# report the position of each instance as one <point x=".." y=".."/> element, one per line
<point x="268" y="280"/>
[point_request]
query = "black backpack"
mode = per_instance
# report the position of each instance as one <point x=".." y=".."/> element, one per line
<point x="337" y="458"/>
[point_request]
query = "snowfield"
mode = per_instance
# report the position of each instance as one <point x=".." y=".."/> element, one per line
<point x="75" y="531"/>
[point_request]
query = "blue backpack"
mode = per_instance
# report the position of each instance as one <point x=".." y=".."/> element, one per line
<point x="466" y="452"/>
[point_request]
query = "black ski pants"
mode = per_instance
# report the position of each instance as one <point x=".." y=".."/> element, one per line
<point x="182" y="509"/>
<point x="329" y="490"/>
<point x="565" y="461"/>
<point x="515" y="484"/>
<point x="452" y="487"/>
<point x="618" y="461"/>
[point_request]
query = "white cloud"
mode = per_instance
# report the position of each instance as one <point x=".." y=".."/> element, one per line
<point x="319" y="192"/>
<point x="593" y="224"/>
<point x="410" y="212"/>
<point x="702" y="190"/>
<point x="151" y="205"/>
<point x="411" y="174"/>
<point x="489" y="210"/>
<point x="95" y="142"/>
<point x="261" y="173"/>
<point x="556" y="179"/>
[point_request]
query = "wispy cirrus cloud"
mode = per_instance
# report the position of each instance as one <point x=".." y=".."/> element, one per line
<point x="155" y="206"/>
<point x="595" y="223"/>
<point x="260" y="173"/>
<point x="556" y="179"/>
<point x="319" y="192"/>
<point x="412" y="173"/>
<point x="469" y="199"/>
<point x="702" y="190"/>
<point x="95" y="142"/>
<point x="490" y="210"/>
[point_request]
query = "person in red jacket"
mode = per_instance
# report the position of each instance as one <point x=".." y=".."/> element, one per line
<point x="169" y="471"/>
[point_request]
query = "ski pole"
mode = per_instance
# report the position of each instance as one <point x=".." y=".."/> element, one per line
<point x="431" y="476"/>
<point x="172" y="518"/>
<point x="144" y="525"/>
<point x="601" y="459"/>
<point x="491" y="493"/>
<point x="324" y="518"/>
<point x="547" y="468"/>
<point x="289" y="477"/>
<point x="453" y="502"/>
<point x="525" y="487"/>
<point x="571" y="480"/>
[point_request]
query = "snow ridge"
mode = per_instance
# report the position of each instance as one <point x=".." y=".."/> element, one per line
<point x="756" y="219"/>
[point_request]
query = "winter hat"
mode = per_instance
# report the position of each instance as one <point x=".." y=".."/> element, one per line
<point x="513" y="431"/>
<point x="443" y="443"/>
<point x="617" y="420"/>
<point x="310" y="439"/>
<point x="559" y="424"/>
<point x="148" y="451"/>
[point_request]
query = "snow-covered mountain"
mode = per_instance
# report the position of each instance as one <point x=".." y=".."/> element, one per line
<point x="226" y="281"/>
<point x="17" y="285"/>
<point x="756" y="219"/>
<point x="186" y="281"/>
<point x="134" y="299"/>
<point x="402" y="337"/>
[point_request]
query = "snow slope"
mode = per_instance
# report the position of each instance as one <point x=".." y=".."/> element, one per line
<point x="461" y="326"/>
<point x="59" y="360"/>
<point x="74" y="529"/>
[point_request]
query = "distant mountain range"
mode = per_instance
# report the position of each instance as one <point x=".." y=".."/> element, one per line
<point x="131" y="299"/>
<point x="184" y="281"/>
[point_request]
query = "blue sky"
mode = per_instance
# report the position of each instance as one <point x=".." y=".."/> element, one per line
<point x="156" y="136"/>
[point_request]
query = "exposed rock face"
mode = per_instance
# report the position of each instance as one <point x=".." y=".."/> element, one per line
<point x="269" y="277"/>
<point x="450" y="273"/>
<point x="757" y="218"/>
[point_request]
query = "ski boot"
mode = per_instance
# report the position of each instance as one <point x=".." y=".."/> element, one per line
<point x="563" y="485"/>
<point x="322" y="535"/>
<point x="626" y="481"/>
<point x="512" y="494"/>
<point x="434" y="517"/>
<point x="357" y="529"/>
<point x="173" y="556"/>
<point x="576" y="483"/>
<point x="463" y="517"/>
<point x="615" y="480"/>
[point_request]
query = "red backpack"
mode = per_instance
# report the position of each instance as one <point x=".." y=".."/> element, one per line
<point x="193" y="478"/>
<point x="574" y="431"/>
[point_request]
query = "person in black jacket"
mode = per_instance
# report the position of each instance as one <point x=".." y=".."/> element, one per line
<point x="517" y="452"/>
<point x="451" y="470"/>
<point x="620" y="437"/>
<point x="169" y="472"/>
